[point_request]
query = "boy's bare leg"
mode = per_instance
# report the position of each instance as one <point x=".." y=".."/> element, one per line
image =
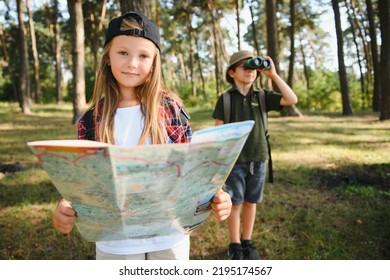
<point x="234" y="224"/>
<point x="248" y="220"/>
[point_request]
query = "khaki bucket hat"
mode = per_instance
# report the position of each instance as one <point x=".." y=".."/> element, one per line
<point x="234" y="59"/>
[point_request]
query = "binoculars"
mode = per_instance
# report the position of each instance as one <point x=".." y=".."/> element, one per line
<point x="257" y="63"/>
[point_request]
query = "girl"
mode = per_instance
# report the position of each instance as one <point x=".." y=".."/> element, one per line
<point x="131" y="107"/>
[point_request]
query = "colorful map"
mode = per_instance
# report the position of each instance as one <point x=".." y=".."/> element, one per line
<point x="143" y="191"/>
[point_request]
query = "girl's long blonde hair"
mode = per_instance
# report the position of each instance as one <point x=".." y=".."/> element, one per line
<point x="149" y="94"/>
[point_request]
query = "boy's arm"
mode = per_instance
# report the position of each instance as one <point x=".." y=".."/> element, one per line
<point x="288" y="96"/>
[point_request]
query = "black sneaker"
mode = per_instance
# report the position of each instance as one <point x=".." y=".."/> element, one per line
<point x="249" y="250"/>
<point x="235" y="251"/>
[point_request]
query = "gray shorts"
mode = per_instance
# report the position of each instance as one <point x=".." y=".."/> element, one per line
<point x="246" y="182"/>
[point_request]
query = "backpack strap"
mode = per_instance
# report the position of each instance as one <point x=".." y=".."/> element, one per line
<point x="89" y="125"/>
<point x="227" y="103"/>
<point x="264" y="116"/>
<point x="184" y="116"/>
<point x="263" y="109"/>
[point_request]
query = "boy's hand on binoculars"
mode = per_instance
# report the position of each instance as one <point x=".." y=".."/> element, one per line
<point x="268" y="72"/>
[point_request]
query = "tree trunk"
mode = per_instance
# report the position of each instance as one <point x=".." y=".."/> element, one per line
<point x="345" y="95"/>
<point x="183" y="68"/>
<point x="36" y="89"/>
<point x="237" y="3"/>
<point x="376" y="98"/>
<point x="272" y="33"/>
<point x="172" y="71"/>
<point x="362" y="31"/>
<point x="57" y="53"/>
<point x="97" y="30"/>
<point x="78" y="57"/>
<point x="190" y="47"/>
<point x="352" y="22"/>
<point x="253" y="24"/>
<point x="213" y="27"/>
<point x="144" y="7"/>
<point x="305" y="67"/>
<point x="259" y="81"/>
<point x="384" y="16"/>
<point x="273" y="50"/>
<point x="197" y="57"/>
<point x="24" y="77"/>
<point x="292" y="44"/>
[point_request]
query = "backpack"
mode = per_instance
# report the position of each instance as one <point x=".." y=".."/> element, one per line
<point x="262" y="102"/>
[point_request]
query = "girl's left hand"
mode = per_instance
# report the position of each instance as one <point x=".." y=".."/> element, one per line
<point x="221" y="206"/>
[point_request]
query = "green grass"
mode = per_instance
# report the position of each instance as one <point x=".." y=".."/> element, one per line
<point x="330" y="199"/>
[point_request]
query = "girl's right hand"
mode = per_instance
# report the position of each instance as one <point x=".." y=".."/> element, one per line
<point x="64" y="217"/>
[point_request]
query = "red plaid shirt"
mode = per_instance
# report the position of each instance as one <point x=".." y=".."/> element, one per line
<point x="176" y="123"/>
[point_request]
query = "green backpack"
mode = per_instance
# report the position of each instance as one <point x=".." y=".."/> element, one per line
<point x="262" y="101"/>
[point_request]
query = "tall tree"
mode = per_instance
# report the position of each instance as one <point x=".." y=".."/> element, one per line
<point x="273" y="49"/>
<point x="238" y="8"/>
<point x="345" y="95"/>
<point x="210" y="7"/>
<point x="272" y="33"/>
<point x="76" y="21"/>
<point x="96" y="13"/>
<point x="191" y="33"/>
<point x="353" y="25"/>
<point x="36" y="89"/>
<point x="360" y="22"/>
<point x="384" y="16"/>
<point x="292" y="44"/>
<point x="376" y="99"/>
<point x="24" y="77"/>
<point x="253" y="28"/>
<point x="136" y="5"/>
<point x="306" y="71"/>
<point x="57" y="52"/>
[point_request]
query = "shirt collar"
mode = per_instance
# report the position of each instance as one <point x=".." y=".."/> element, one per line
<point x="234" y="90"/>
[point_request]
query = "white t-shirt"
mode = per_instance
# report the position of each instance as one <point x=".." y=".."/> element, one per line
<point x="128" y="125"/>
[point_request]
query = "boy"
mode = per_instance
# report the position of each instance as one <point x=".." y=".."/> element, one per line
<point x="246" y="180"/>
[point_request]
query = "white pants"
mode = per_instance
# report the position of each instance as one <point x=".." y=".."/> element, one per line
<point x="180" y="252"/>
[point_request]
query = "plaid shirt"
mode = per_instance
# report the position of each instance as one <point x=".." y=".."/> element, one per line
<point x="176" y="123"/>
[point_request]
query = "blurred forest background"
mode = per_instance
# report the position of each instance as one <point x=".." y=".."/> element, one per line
<point x="330" y="199"/>
<point x="50" y="49"/>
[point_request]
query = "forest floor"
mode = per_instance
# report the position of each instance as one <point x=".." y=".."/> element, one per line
<point x="330" y="199"/>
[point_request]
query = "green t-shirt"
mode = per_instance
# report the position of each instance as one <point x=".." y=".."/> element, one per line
<point x="247" y="108"/>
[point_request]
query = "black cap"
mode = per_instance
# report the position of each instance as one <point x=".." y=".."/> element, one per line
<point x="149" y="32"/>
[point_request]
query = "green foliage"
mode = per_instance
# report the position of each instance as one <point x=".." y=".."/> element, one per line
<point x="6" y="90"/>
<point x="323" y="95"/>
<point x="47" y="84"/>
<point x="89" y="81"/>
<point x="206" y="98"/>
<point x="361" y="98"/>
